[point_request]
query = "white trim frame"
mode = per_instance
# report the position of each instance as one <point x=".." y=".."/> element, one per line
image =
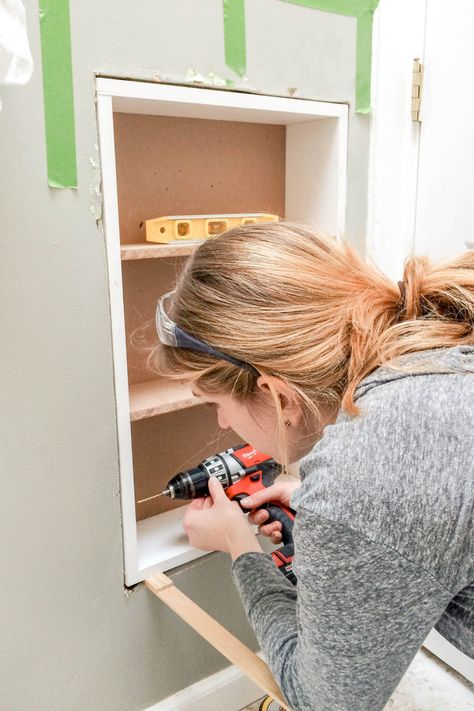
<point x="119" y="351"/>
<point x="158" y="544"/>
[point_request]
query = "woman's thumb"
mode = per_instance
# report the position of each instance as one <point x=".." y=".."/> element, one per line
<point x="216" y="489"/>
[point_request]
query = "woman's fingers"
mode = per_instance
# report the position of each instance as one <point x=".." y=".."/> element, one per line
<point x="270" y="530"/>
<point x="274" y="527"/>
<point x="197" y="503"/>
<point x="258" y="517"/>
<point x="275" y="492"/>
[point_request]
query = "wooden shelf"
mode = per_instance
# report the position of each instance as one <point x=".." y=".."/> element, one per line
<point x="147" y="250"/>
<point x="161" y="538"/>
<point x="162" y="543"/>
<point x="159" y="396"/>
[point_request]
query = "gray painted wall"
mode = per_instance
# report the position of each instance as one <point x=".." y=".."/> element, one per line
<point x="72" y="638"/>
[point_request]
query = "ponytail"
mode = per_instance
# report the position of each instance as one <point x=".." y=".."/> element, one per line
<point x="435" y="310"/>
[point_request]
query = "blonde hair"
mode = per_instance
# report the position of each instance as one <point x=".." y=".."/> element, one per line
<point x="307" y="309"/>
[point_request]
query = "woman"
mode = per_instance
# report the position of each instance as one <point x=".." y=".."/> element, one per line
<point x="309" y="353"/>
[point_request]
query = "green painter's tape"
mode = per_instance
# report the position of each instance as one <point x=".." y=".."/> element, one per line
<point x="353" y="8"/>
<point x="58" y="95"/>
<point x="363" y="10"/>
<point x="364" y="61"/>
<point x="234" y="35"/>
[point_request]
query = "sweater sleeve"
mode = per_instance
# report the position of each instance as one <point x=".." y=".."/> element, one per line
<point x="344" y="636"/>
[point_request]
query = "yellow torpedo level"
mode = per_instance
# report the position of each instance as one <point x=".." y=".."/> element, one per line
<point x="180" y="228"/>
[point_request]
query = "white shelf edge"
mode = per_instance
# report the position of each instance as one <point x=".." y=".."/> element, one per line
<point x="150" y="250"/>
<point x="158" y="398"/>
<point x="186" y="100"/>
<point x="162" y="545"/>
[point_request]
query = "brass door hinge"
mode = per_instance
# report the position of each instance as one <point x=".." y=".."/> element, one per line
<point x="416" y="88"/>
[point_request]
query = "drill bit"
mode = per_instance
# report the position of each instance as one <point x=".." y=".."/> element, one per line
<point x="166" y="492"/>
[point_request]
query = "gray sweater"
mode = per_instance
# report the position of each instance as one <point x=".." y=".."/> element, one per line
<point x="384" y="544"/>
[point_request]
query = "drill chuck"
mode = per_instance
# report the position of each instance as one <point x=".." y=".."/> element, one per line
<point x="188" y="485"/>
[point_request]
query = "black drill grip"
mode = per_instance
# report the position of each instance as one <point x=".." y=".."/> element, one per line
<point x="281" y="514"/>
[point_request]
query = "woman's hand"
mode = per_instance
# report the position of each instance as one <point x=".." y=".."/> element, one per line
<point x="281" y="492"/>
<point x="215" y="523"/>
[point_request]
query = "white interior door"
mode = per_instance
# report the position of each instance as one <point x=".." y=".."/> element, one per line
<point x="421" y="189"/>
<point x="444" y="218"/>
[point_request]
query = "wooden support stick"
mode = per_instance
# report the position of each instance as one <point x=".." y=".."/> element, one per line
<point x="220" y="638"/>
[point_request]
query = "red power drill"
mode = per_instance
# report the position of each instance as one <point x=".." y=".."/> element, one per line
<point x="241" y="470"/>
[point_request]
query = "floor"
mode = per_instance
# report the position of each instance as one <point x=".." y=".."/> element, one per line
<point x="428" y="685"/>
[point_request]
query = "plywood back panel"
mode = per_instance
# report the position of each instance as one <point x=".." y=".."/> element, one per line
<point x="144" y="281"/>
<point x="165" y="445"/>
<point x="179" y="166"/>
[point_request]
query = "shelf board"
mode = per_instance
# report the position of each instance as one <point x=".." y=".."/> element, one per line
<point x="148" y="250"/>
<point x="159" y="396"/>
<point x="163" y="545"/>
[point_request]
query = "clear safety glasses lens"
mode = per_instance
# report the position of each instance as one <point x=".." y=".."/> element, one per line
<point x="165" y="327"/>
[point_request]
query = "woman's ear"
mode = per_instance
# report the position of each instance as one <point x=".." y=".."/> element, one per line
<point x="273" y="386"/>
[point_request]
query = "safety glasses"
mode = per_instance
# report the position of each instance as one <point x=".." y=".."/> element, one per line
<point x="170" y="334"/>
